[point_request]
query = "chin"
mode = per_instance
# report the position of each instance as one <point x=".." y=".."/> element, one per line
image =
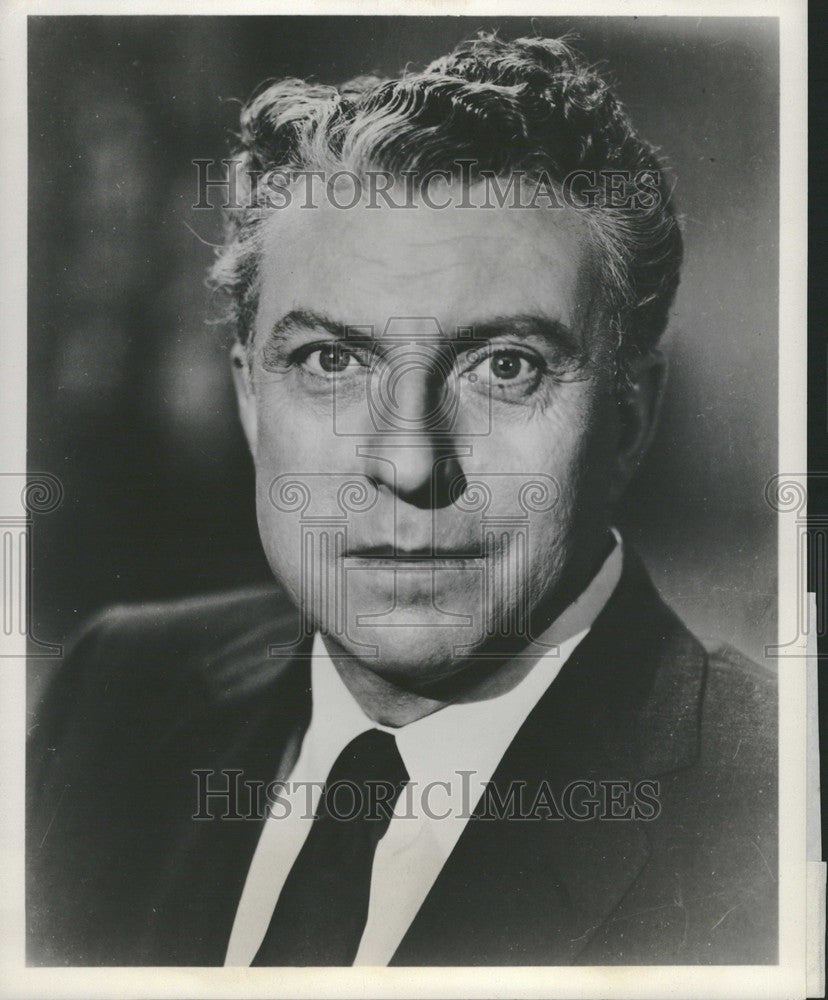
<point x="412" y="655"/>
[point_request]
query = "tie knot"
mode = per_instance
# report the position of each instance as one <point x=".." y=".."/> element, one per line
<point x="365" y="782"/>
<point x="371" y="756"/>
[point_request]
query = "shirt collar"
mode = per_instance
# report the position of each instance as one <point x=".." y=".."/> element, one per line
<point x="468" y="736"/>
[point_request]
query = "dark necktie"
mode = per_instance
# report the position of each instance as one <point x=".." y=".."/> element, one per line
<point x="323" y="906"/>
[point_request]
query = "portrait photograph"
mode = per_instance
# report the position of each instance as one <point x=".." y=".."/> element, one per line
<point x="406" y="509"/>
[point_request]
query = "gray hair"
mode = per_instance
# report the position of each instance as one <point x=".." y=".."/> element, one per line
<point x="530" y="105"/>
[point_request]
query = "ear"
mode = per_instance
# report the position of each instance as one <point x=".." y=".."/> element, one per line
<point x="245" y="394"/>
<point x="639" y="405"/>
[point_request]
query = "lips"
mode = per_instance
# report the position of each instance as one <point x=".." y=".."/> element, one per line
<point x="426" y="553"/>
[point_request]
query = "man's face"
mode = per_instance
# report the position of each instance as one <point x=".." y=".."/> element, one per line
<point x="432" y="422"/>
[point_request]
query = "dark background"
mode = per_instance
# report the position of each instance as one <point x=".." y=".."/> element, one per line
<point x="130" y="402"/>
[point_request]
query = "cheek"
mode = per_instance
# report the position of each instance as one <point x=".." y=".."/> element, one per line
<point x="292" y="436"/>
<point x="555" y="440"/>
<point x="568" y="443"/>
<point x="281" y="462"/>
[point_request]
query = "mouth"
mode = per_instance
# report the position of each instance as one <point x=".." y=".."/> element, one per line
<point x="379" y="556"/>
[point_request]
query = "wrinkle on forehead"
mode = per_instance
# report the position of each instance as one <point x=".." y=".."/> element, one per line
<point x="366" y="266"/>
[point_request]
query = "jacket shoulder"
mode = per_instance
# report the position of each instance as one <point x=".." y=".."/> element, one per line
<point x="739" y="709"/>
<point x="723" y="656"/>
<point x="147" y="664"/>
<point x="190" y="624"/>
<point x="171" y="637"/>
<point x="179" y="635"/>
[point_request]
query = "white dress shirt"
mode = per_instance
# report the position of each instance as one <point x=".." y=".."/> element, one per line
<point x="450" y="755"/>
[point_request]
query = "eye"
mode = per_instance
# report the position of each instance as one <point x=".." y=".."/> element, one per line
<point x="330" y="359"/>
<point x="506" y="365"/>
<point x="511" y="371"/>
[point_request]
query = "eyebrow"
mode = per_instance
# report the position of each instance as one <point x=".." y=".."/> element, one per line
<point x="305" y="320"/>
<point x="521" y="325"/>
<point x="530" y="325"/>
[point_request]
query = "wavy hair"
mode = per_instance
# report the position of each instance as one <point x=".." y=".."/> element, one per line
<point x="531" y="105"/>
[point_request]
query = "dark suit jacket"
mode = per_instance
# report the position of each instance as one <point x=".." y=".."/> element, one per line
<point x="120" y="874"/>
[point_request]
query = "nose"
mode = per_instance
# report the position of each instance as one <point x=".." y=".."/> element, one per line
<point x="412" y="450"/>
<point x="423" y="475"/>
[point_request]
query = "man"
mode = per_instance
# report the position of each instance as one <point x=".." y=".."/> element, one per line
<point x="448" y="291"/>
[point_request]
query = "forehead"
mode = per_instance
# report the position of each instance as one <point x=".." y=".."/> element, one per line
<point x="365" y="265"/>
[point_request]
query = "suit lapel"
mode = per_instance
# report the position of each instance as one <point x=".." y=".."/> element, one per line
<point x="534" y="891"/>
